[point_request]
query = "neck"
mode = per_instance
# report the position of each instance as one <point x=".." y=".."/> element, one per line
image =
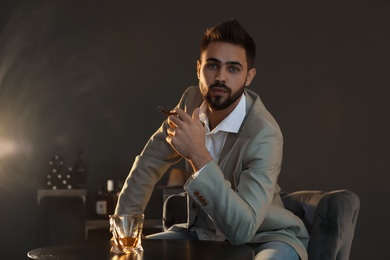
<point x="216" y="116"/>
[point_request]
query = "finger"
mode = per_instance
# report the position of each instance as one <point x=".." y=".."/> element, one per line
<point x="171" y="131"/>
<point x="177" y="117"/>
<point x="174" y="120"/>
<point x="171" y="123"/>
<point x="180" y="113"/>
<point x="195" y="114"/>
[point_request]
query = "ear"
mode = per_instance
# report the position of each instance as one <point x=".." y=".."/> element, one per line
<point x="249" y="77"/>
<point x="198" y="63"/>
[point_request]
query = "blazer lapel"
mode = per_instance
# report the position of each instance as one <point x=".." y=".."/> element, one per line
<point x="232" y="137"/>
<point x="229" y="143"/>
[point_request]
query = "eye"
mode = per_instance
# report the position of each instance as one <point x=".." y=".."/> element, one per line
<point x="233" y="69"/>
<point x="212" y="66"/>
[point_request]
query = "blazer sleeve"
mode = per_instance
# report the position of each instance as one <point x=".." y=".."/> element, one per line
<point x="148" y="167"/>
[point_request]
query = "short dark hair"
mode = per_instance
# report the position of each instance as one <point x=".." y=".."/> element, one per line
<point x="232" y="32"/>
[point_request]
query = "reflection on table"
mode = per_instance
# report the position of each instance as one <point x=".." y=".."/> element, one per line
<point x="153" y="249"/>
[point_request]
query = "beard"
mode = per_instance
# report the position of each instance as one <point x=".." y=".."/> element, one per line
<point x="217" y="102"/>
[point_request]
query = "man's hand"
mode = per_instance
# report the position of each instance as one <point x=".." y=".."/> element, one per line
<point x="186" y="135"/>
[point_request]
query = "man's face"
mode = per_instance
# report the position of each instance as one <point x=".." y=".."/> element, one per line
<point x="223" y="74"/>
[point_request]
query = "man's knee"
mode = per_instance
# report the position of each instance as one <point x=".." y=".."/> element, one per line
<point x="275" y="250"/>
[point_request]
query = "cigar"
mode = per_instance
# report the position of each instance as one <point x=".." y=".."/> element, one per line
<point x="164" y="111"/>
<point x="168" y="113"/>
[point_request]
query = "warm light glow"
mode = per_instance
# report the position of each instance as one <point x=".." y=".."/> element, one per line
<point x="7" y="147"/>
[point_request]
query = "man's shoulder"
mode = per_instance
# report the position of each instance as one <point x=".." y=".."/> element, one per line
<point x="191" y="90"/>
<point x="257" y="112"/>
<point x="191" y="99"/>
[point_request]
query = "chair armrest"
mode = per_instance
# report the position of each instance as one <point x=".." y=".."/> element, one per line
<point x="334" y="225"/>
<point x="330" y="218"/>
<point x="303" y="204"/>
<point x="174" y="210"/>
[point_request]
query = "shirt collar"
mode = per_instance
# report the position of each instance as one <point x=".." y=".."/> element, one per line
<point x="231" y="123"/>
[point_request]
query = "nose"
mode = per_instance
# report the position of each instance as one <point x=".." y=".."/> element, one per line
<point x="221" y="77"/>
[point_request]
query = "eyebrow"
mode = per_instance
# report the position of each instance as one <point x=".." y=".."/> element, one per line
<point x="229" y="62"/>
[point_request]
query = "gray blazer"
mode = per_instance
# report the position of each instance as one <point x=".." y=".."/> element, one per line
<point x="239" y="194"/>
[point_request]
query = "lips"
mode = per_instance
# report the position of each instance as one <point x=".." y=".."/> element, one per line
<point x="219" y="89"/>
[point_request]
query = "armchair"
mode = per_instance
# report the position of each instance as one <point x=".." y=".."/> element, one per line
<point x="330" y="218"/>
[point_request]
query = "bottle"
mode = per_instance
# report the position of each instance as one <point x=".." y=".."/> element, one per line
<point x="80" y="170"/>
<point x="111" y="197"/>
<point x="101" y="204"/>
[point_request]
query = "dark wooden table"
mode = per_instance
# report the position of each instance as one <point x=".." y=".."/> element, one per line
<point x="153" y="250"/>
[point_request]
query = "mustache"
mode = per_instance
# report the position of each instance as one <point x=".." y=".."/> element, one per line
<point x="220" y="85"/>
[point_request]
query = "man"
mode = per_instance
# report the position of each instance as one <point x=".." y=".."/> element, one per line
<point x="233" y="147"/>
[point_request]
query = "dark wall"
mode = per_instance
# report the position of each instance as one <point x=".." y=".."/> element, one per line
<point x="90" y="74"/>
